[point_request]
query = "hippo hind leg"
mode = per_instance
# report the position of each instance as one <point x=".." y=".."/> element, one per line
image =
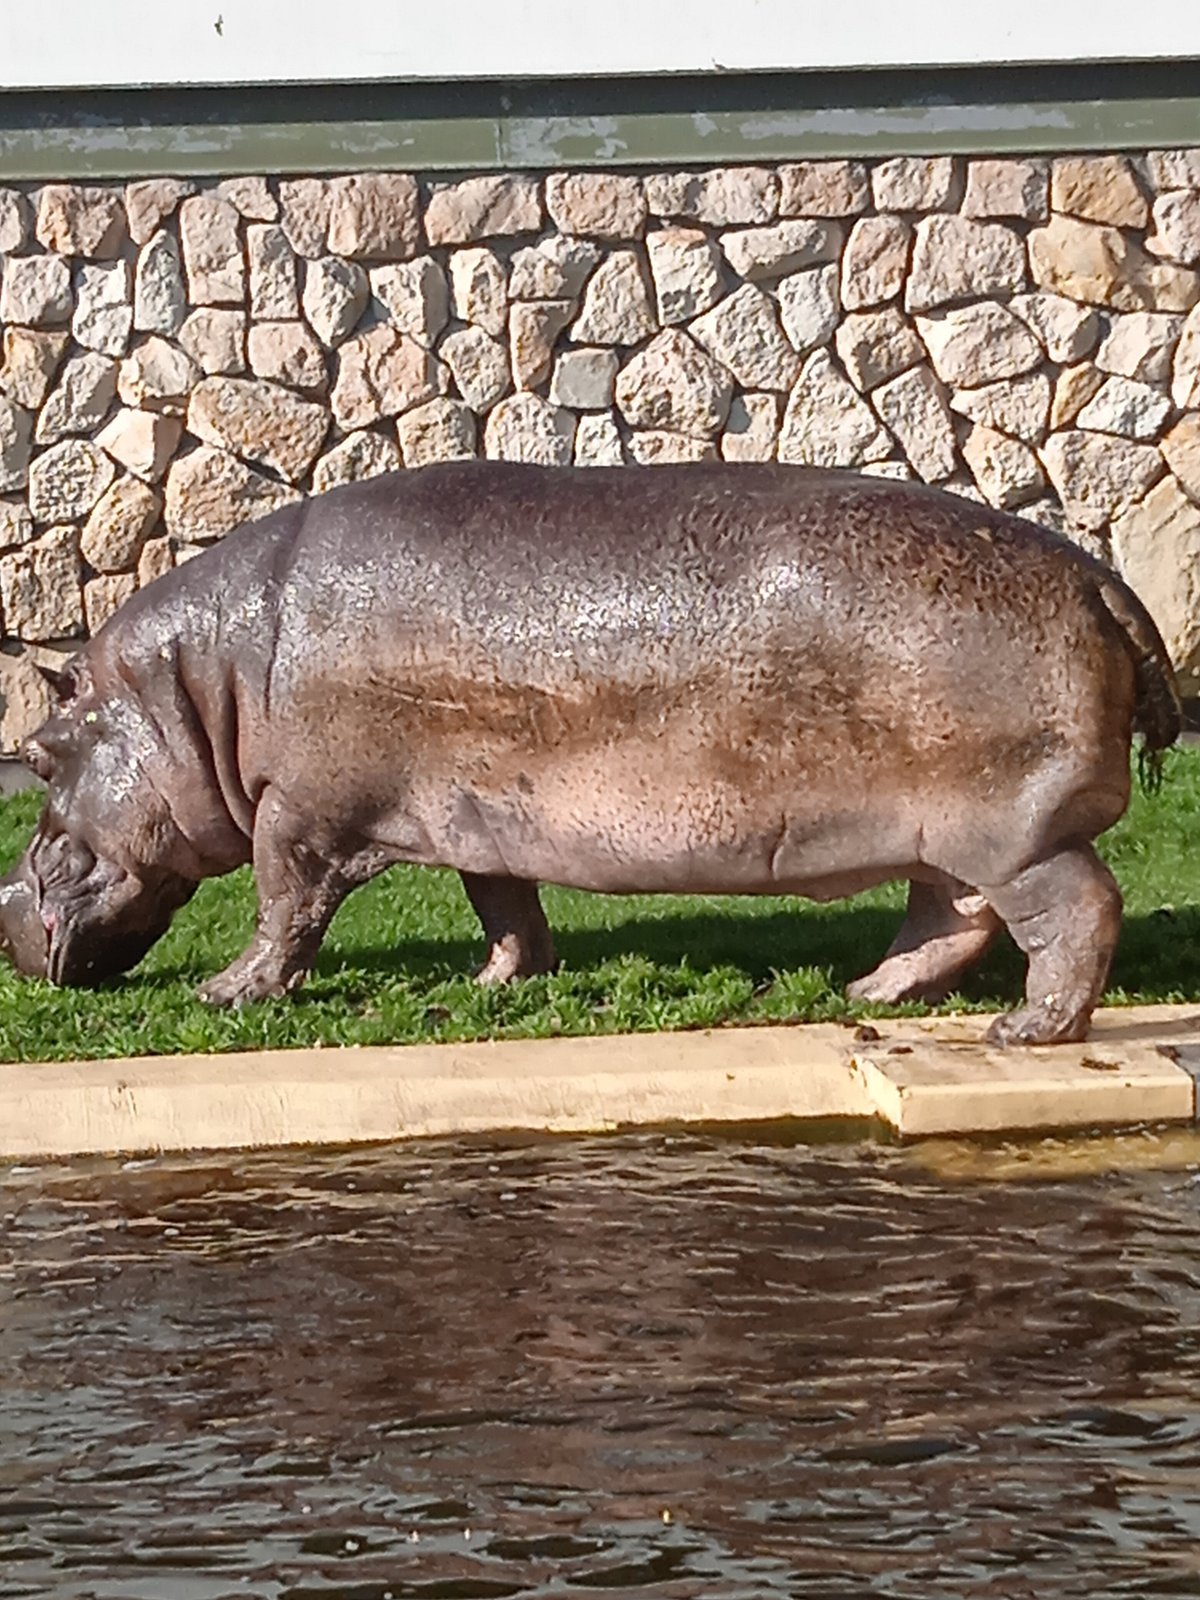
<point x="1065" y="914"/>
<point x="519" y="940"/>
<point x="947" y="928"/>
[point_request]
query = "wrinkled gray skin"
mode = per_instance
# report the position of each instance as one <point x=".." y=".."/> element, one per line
<point x="692" y="679"/>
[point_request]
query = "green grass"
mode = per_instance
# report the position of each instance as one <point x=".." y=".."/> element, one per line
<point x="396" y="964"/>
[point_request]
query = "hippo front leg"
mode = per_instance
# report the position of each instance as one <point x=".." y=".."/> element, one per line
<point x="1065" y="914"/>
<point x="519" y="940"/>
<point x="298" y="892"/>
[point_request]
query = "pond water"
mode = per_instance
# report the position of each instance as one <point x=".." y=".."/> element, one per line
<point x="665" y="1366"/>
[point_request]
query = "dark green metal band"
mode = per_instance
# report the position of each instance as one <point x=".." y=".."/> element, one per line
<point x="635" y="122"/>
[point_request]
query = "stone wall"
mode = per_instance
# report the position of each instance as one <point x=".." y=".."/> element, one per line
<point x="181" y="356"/>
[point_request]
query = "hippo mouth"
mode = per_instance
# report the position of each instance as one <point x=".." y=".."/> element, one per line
<point x="77" y="920"/>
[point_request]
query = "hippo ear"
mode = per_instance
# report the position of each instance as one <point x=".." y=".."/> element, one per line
<point x="62" y="684"/>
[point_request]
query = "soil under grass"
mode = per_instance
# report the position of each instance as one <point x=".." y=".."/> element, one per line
<point x="396" y="965"/>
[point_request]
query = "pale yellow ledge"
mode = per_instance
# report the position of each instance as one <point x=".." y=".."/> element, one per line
<point x="923" y="1077"/>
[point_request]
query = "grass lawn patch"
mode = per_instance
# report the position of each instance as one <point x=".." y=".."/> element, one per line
<point x="396" y="964"/>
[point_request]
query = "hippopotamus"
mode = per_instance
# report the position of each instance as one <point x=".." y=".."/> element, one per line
<point x="703" y="678"/>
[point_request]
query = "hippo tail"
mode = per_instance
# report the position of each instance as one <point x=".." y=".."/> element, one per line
<point x="1158" y="711"/>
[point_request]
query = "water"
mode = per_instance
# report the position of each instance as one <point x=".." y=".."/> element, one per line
<point x="670" y="1367"/>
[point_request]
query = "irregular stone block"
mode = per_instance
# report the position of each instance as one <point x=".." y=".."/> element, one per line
<point x="957" y="259"/>
<point x="1098" y="189"/>
<point x="598" y="205"/>
<point x="823" y="189"/>
<point x="1007" y="471"/>
<point x="480" y="366"/>
<point x="527" y="428"/>
<point x="913" y="408"/>
<point x="103" y="308"/>
<point x="86" y="388"/>
<point x="974" y="345"/>
<point x="41" y="587"/>
<point x="250" y="197"/>
<point x="1156" y="545"/>
<point x="415" y="296"/>
<point x="1067" y="332"/>
<point x="1181" y="451"/>
<point x="554" y="269"/>
<point x="16" y="444"/>
<point x="260" y="422"/>
<point x="1075" y="386"/>
<point x="159" y="298"/>
<point x="440" y="430"/>
<point x="142" y="442"/>
<point x="104" y="595"/>
<point x="1141" y="344"/>
<point x="875" y="261"/>
<point x="722" y="198"/>
<point x="79" y="220"/>
<point x="36" y="291"/>
<point x="30" y="363"/>
<point x="533" y="329"/>
<point x="156" y="376"/>
<point x="1174" y="169"/>
<point x="752" y="428"/>
<point x="1185" y="378"/>
<point x="673" y="385"/>
<point x="304" y="215"/>
<point x="583" y="379"/>
<point x="66" y="481"/>
<point x="336" y="293"/>
<point x="359" y="456"/>
<point x="1177" y="227"/>
<point x="598" y="442"/>
<point x="827" y="423"/>
<point x="916" y="183"/>
<point x="25" y="699"/>
<point x="150" y="202"/>
<point x="877" y="345"/>
<point x="1008" y="188"/>
<point x="1016" y="406"/>
<point x="1122" y="406"/>
<point x="215" y="339"/>
<point x="760" y="254"/>
<point x="374" y="216"/>
<point x="212" y="251"/>
<point x="16" y="525"/>
<point x="16" y="221"/>
<point x="657" y="448"/>
<point x="273" y="294"/>
<point x="687" y="273"/>
<point x="744" y="334"/>
<point x="380" y="374"/>
<point x="616" y="304"/>
<point x="1096" y="472"/>
<point x="1100" y="266"/>
<point x="478" y="289"/>
<point x="288" y="353"/>
<point x="210" y="492"/>
<point x="158" y="557"/>
<point x="483" y="208"/>
<point x="119" y="525"/>
<point x="808" y="307"/>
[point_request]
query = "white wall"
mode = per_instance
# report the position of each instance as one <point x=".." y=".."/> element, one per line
<point x="73" y="43"/>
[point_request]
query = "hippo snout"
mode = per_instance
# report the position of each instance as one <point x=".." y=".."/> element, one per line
<point x="24" y="937"/>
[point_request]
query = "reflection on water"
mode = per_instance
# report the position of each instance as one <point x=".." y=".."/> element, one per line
<point x="671" y="1366"/>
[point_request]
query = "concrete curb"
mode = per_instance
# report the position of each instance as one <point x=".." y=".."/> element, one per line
<point x="923" y="1077"/>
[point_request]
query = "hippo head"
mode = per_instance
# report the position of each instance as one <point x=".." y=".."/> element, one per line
<point x="92" y="892"/>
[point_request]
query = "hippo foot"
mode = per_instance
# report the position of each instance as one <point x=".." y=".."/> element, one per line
<point x="890" y="988"/>
<point x="245" y="984"/>
<point x="510" y="958"/>
<point x="1048" y="1023"/>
